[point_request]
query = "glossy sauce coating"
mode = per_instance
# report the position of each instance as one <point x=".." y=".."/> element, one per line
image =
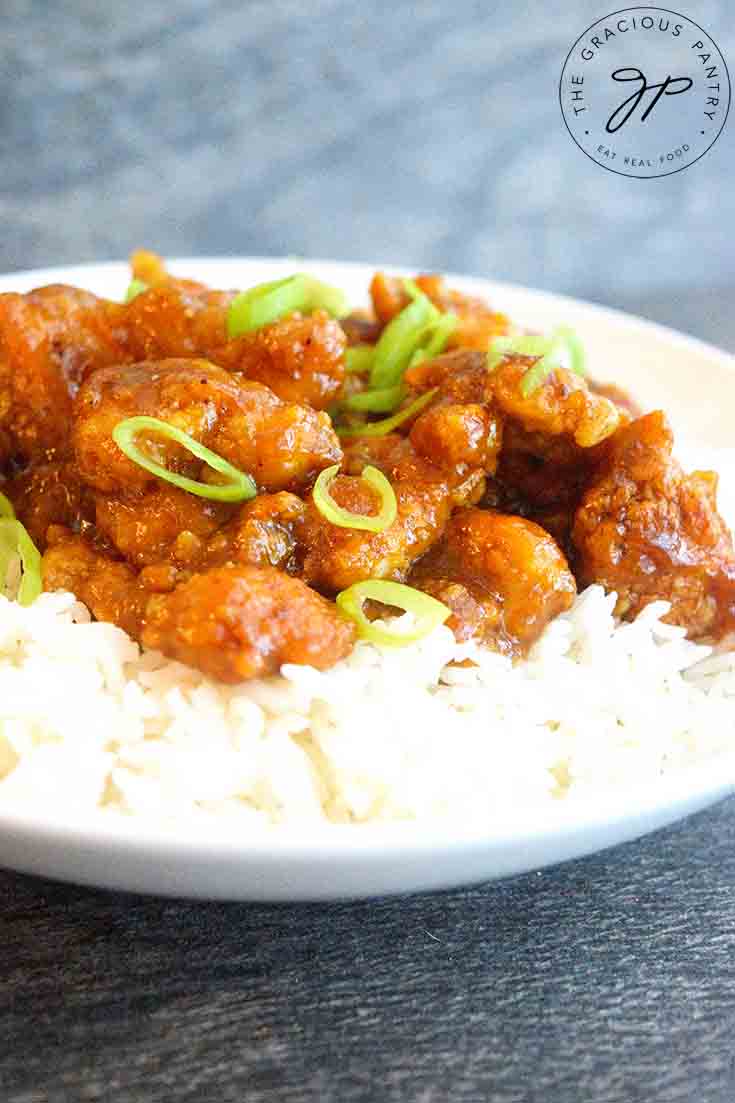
<point x="503" y="577"/>
<point x="490" y="482"/>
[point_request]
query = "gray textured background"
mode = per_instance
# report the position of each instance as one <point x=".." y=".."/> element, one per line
<point x="425" y="133"/>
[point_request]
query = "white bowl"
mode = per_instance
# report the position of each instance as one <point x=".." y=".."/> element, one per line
<point x="693" y="381"/>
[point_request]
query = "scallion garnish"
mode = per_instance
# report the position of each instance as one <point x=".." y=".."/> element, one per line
<point x="239" y="488"/>
<point x="401" y="337"/>
<point x="135" y="288"/>
<point x="439" y="335"/>
<point x="575" y="349"/>
<point x="267" y="302"/>
<point x="345" y="518"/>
<point x="6" y="508"/>
<point x="20" y="563"/>
<point x="524" y="345"/>
<point x="427" y="611"/>
<point x="381" y="401"/>
<point x="359" y="359"/>
<point x="562" y="349"/>
<point x="388" y="424"/>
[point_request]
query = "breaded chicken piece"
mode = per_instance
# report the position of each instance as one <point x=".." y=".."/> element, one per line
<point x="478" y="323"/>
<point x="503" y="577"/>
<point x="159" y="524"/>
<point x="110" y="589"/>
<point x="281" y="445"/>
<point x="50" y="494"/>
<point x="562" y="404"/>
<point x="232" y="623"/>
<point x="49" y="339"/>
<point x="300" y="358"/>
<point x="262" y="533"/>
<point x="240" y="622"/>
<point x="333" y="557"/>
<point x="650" y="532"/>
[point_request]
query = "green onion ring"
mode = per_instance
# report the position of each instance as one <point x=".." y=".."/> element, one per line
<point x="240" y="488"/>
<point x="267" y="302"/>
<point x="388" y="424"/>
<point x="429" y="612"/>
<point x="135" y="288"/>
<point x="344" y="518"/>
<point x="20" y="563"/>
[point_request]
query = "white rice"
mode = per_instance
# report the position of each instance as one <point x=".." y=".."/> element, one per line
<point x="89" y="723"/>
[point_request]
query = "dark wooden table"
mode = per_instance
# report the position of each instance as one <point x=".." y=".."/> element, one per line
<point x="610" y="979"/>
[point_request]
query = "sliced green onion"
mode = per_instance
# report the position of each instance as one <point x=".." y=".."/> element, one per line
<point x="381" y="401"/>
<point x="322" y="296"/>
<point x="401" y="337"/>
<point x="439" y="334"/>
<point x="388" y="424"/>
<point x="135" y="288"/>
<point x="335" y="513"/>
<point x="359" y="359"/>
<point x="524" y="345"/>
<point x="535" y="376"/>
<point x="267" y="302"/>
<point x="20" y="563"/>
<point x="428" y="612"/>
<point x="563" y="349"/>
<point x="239" y="488"/>
<point x="6" y="508"/>
<point x="575" y="349"/>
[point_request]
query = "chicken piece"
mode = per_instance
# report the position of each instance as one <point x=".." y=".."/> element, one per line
<point x="161" y="523"/>
<point x="503" y="577"/>
<point x="333" y="558"/>
<point x="49" y="339"/>
<point x="176" y="318"/>
<point x="541" y="478"/>
<point x="562" y="405"/>
<point x="458" y="437"/>
<point x="650" y="532"/>
<point x="262" y="533"/>
<point x="282" y="445"/>
<point x="110" y="589"/>
<point x="50" y="494"/>
<point x="241" y="622"/>
<point x="232" y="623"/>
<point x="461" y="376"/>
<point x="300" y="358"/>
<point x="478" y="324"/>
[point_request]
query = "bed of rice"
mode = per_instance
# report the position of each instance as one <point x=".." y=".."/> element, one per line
<point x="88" y="722"/>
